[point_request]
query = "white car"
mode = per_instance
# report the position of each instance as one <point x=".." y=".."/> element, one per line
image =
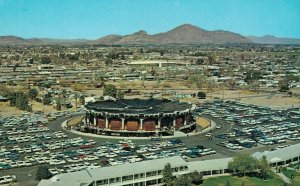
<point x="209" y="135"/>
<point x="9" y="178"/>
<point x="53" y="171"/>
<point x="218" y="126"/>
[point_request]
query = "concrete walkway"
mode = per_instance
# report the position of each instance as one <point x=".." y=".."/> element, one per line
<point x="177" y="134"/>
<point x="282" y="176"/>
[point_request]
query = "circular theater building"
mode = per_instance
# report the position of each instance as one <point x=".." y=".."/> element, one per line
<point x="138" y="117"/>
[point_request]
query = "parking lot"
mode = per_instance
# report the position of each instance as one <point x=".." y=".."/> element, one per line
<point x="29" y="141"/>
<point x="252" y="126"/>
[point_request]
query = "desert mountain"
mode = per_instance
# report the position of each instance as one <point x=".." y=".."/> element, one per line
<point x="13" y="40"/>
<point x="184" y="34"/>
<point x="269" y="39"/>
<point x="108" y="40"/>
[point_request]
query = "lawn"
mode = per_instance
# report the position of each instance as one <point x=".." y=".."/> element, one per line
<point x="296" y="181"/>
<point x="288" y="173"/>
<point x="274" y="180"/>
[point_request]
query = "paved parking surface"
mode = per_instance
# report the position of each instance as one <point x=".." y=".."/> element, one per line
<point x="230" y="123"/>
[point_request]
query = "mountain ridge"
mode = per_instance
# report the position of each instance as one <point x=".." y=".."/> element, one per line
<point x="270" y="39"/>
<point x="182" y="34"/>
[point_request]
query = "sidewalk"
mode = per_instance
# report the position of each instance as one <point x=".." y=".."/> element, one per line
<point x="282" y="176"/>
<point x="177" y="134"/>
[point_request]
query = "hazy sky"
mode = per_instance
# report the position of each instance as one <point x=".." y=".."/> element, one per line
<point x="96" y="18"/>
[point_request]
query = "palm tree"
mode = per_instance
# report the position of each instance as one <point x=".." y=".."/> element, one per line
<point x="76" y="97"/>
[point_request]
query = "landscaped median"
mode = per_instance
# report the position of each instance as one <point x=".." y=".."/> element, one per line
<point x="203" y="123"/>
<point x="74" y="121"/>
<point x="272" y="180"/>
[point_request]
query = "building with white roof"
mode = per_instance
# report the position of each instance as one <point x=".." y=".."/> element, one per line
<point x="151" y="172"/>
<point x="281" y="157"/>
<point x="139" y="174"/>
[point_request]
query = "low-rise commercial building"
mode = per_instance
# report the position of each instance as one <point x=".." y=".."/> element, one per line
<point x="151" y="172"/>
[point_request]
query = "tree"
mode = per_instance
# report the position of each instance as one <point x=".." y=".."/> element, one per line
<point x="284" y="86"/>
<point x="232" y="83"/>
<point x="58" y="102"/>
<point x="252" y="75"/>
<point x="110" y="90"/>
<point x="263" y="166"/>
<point x="143" y="81"/>
<point x="167" y="175"/>
<point x="82" y="100"/>
<point x="196" y="178"/>
<point x="19" y="100"/>
<point x="201" y="95"/>
<point x="108" y="62"/>
<point x="123" y="57"/>
<point x="32" y="93"/>
<point x="198" y="80"/>
<point x="47" y="98"/>
<point x="73" y="57"/>
<point x="76" y="98"/>
<point x="120" y="94"/>
<point x="243" y="164"/>
<point x="43" y="173"/>
<point x="183" y="180"/>
<point x="113" y="55"/>
<point x="31" y="61"/>
<point x="211" y="59"/>
<point x="11" y="96"/>
<point x="161" y="53"/>
<point x="199" y="61"/>
<point x="157" y="83"/>
<point x="211" y="85"/>
<point x="14" y="68"/>
<point x="45" y="60"/>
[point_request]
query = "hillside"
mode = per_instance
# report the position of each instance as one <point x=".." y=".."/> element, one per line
<point x="13" y="40"/>
<point x="269" y="39"/>
<point x="184" y="34"/>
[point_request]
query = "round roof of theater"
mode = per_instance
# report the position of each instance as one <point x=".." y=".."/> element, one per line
<point x="138" y="106"/>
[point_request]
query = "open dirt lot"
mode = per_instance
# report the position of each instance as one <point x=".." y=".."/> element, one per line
<point x="7" y="110"/>
<point x="276" y="100"/>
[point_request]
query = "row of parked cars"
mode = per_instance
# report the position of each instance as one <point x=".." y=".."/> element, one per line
<point x="56" y="151"/>
<point x="254" y="125"/>
<point x="7" y="179"/>
<point x="24" y="143"/>
<point x="127" y="152"/>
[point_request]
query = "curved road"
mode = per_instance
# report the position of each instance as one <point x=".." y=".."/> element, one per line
<point x="190" y="141"/>
<point x="194" y="140"/>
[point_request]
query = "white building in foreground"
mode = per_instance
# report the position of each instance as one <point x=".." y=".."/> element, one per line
<point x="150" y="172"/>
<point x="281" y="157"/>
<point x="136" y="174"/>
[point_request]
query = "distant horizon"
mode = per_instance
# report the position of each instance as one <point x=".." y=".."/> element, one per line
<point x="147" y="33"/>
<point x="92" y="19"/>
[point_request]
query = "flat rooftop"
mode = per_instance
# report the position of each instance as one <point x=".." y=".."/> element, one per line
<point x="138" y="106"/>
